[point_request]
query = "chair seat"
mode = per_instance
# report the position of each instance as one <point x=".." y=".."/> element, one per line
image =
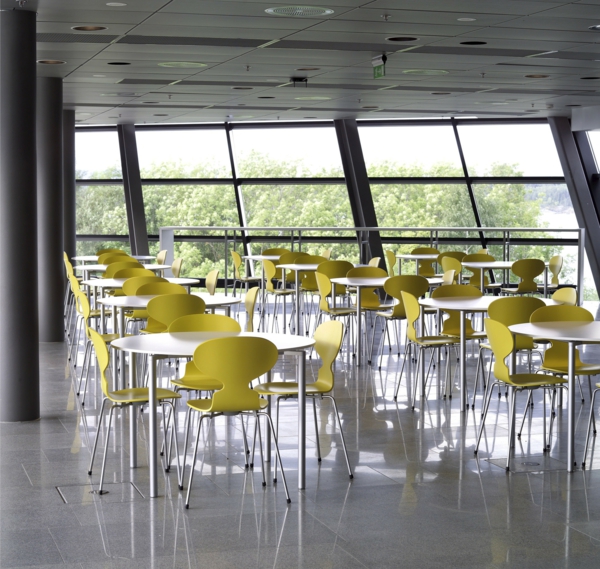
<point x="141" y="314"/>
<point x="282" y="291"/>
<point x="198" y="384"/>
<point x="471" y="336"/>
<point x="534" y="380"/>
<point x="205" y="406"/>
<point x="140" y="395"/>
<point x="436" y="340"/>
<point x="285" y="388"/>
<point x="248" y="279"/>
<point x="583" y="369"/>
<point x="390" y="315"/>
<point x="342" y="311"/>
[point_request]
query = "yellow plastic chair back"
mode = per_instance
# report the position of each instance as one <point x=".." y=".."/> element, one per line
<point x="161" y="257"/>
<point x="516" y="310"/>
<point x="565" y="295"/>
<point x="307" y="279"/>
<point x="451" y="264"/>
<point x="555" y="266"/>
<point x="211" y="281"/>
<point x="413" y="284"/>
<point x="368" y="297"/>
<point x="336" y="269"/>
<point x="413" y="311"/>
<point x="160" y="288"/>
<point x="237" y="263"/>
<point x="131" y="286"/>
<point x="113" y="268"/>
<point x="102" y="356"/>
<point x="478" y="258"/>
<point x="287" y="259"/>
<point x="449" y="277"/>
<point x="108" y="258"/>
<point x="458" y="255"/>
<point x="502" y="344"/>
<point x="103" y="251"/>
<point x="451" y="325"/>
<point x="249" y="304"/>
<point x="176" y="267"/>
<point x="270" y="273"/>
<point x="203" y="323"/>
<point x="235" y="362"/>
<point x="391" y="260"/>
<point x="166" y="308"/>
<point x="326" y="254"/>
<point x="485" y="251"/>
<point x="374" y="262"/>
<point x="557" y="355"/>
<point x="324" y="285"/>
<point x="328" y="337"/>
<point x="75" y="288"/>
<point x="133" y="272"/>
<point x="527" y="270"/>
<point x="425" y="267"/>
<point x="275" y="251"/>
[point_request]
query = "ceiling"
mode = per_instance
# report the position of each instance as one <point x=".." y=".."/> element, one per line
<point x="250" y="58"/>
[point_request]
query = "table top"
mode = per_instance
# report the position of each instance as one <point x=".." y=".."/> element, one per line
<point x="102" y="268"/>
<point x="262" y="257"/>
<point x="491" y="264"/>
<point x="118" y="283"/>
<point x="216" y="300"/>
<point x="299" y="266"/>
<point x="94" y="258"/>
<point x="584" y="332"/>
<point x="183" y="344"/>
<point x="360" y="281"/>
<point x="141" y="302"/>
<point x="467" y="303"/>
<point x="419" y="256"/>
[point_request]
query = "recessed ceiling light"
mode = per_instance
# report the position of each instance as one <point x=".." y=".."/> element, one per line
<point x="466" y="19"/>
<point x="242" y="88"/>
<point x="51" y="61"/>
<point x="532" y="110"/>
<point x="441" y="93"/>
<point x="473" y="43"/>
<point x="310" y="117"/>
<point x="266" y="97"/>
<point x="572" y="105"/>
<point x="312" y="98"/>
<point x="114" y="117"/>
<point x="116" y="4"/>
<point x="370" y="107"/>
<point x="82" y="114"/>
<point x="595" y="28"/>
<point x="588" y="78"/>
<point x="499" y="103"/>
<point x="299" y="11"/>
<point x="425" y="72"/>
<point x="118" y="63"/>
<point x="98" y="75"/>
<point x="401" y="38"/>
<point x="308" y="68"/>
<point x="160" y="115"/>
<point x="89" y="28"/>
<point x="537" y="76"/>
<point x="181" y="64"/>
<point x="150" y="102"/>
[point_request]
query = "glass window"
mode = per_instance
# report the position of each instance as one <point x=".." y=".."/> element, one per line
<point x="287" y="153"/>
<point x="415" y="151"/>
<point x="509" y="150"/>
<point x="97" y="155"/>
<point x="183" y="153"/>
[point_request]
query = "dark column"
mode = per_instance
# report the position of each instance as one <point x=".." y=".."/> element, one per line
<point x="19" y="357"/>
<point x="132" y="184"/>
<point x="359" y="189"/>
<point x="69" y="231"/>
<point x="50" y="208"/>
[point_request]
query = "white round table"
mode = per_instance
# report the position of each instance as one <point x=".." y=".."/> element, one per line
<point x="359" y="283"/>
<point x="297" y="268"/>
<point x="574" y="334"/>
<point x="416" y="258"/>
<point x="94" y="258"/>
<point x="87" y="269"/>
<point x="183" y="344"/>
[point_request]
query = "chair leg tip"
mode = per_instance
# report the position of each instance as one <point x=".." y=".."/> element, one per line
<point x="187" y="506"/>
<point x="264" y="484"/>
<point x="181" y="486"/>
<point x="319" y="459"/>
<point x="351" y="476"/>
<point x="89" y="472"/>
<point x="289" y="500"/>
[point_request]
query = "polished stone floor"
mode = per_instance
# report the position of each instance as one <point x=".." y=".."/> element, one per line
<point x="419" y="497"/>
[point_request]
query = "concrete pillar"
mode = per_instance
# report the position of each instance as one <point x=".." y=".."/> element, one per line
<point x="50" y="208"/>
<point x="69" y="231"/>
<point x="19" y="356"/>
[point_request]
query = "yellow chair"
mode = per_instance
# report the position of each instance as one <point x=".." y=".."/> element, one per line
<point x="369" y="299"/>
<point x="374" y="262"/>
<point x="328" y="337"/>
<point x="326" y="253"/>
<point x="285" y="259"/>
<point x="336" y="269"/>
<point x="566" y="295"/>
<point x="554" y="267"/>
<point x="556" y="357"/>
<point x="133" y="272"/>
<point x="508" y="310"/>
<point x="161" y="257"/>
<point x="210" y="282"/>
<point x="325" y="287"/>
<point x="502" y="343"/>
<point x="391" y="260"/>
<point x="108" y="258"/>
<point x="451" y="264"/>
<point x="130" y="288"/>
<point x="425" y="267"/>
<point x="165" y="308"/>
<point x="413" y="313"/>
<point x="527" y="270"/>
<point x="109" y="250"/>
<point x="252" y="357"/>
<point x="417" y="286"/>
<point x="121" y="398"/>
<point x="159" y="287"/>
<point x="237" y="275"/>
<point x="249" y="305"/>
<point x="79" y="322"/>
<point x="176" y="267"/>
<point x="113" y="268"/>
<point x="270" y="274"/>
<point x="275" y="251"/>
<point x="475" y="278"/>
<point x="458" y="255"/>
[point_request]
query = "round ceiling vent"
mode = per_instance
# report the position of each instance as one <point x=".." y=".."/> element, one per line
<point x="299" y="11"/>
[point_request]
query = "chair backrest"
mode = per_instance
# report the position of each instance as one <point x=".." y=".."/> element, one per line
<point x="555" y="266"/>
<point x="160" y="288"/>
<point x="458" y="255"/>
<point x="484" y="251"/>
<point x="566" y="295"/>
<point x="82" y="305"/>
<point x="527" y="270"/>
<point x="328" y="337"/>
<point x="391" y="260"/>
<point x="336" y="269"/>
<point x="324" y="286"/>
<point x="478" y="258"/>
<point x="451" y="264"/>
<point x="113" y="257"/>
<point x="290" y="257"/>
<point x="109" y="250"/>
<point x="102" y="357"/>
<point x="307" y="278"/>
<point x="502" y="343"/>
<point x="74" y="283"/>
<point x="374" y="262"/>
<point x="204" y="323"/>
<point x="516" y="310"/>
<point x="166" y="308"/>
<point x="176" y="267"/>
<point x="161" y="257"/>
<point x="114" y="268"/>
<point x="68" y="265"/>
<point x="456" y="290"/>
<point x="413" y="311"/>
<point x="449" y="277"/>
<point x="326" y="254"/>
<point x="394" y="286"/>
<point x="211" y="281"/>
<point x="275" y="251"/>
<point x="131" y="286"/>
<point x="235" y="362"/>
<point x="368" y="297"/>
<point x="425" y="266"/>
<point x="270" y="274"/>
<point x="249" y="305"/>
<point x="237" y="263"/>
<point x="375" y="272"/>
<point x="133" y="272"/>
